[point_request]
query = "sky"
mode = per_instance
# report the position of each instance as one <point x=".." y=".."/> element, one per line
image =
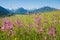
<point x="29" y="4"/>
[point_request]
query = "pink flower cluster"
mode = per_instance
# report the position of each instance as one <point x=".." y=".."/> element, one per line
<point x="7" y="25"/>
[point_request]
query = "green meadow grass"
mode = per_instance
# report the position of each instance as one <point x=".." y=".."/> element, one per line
<point x="24" y="32"/>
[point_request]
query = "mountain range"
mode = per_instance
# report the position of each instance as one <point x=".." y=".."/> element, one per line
<point x="4" y="11"/>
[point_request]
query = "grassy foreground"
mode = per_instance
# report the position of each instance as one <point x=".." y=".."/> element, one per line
<point x="44" y="26"/>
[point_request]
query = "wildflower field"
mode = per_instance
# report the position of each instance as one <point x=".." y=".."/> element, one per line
<point x="43" y="26"/>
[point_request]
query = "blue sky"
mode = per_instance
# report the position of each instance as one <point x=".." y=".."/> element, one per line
<point x="29" y="4"/>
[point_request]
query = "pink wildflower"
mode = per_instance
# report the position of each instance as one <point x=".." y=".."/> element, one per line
<point x="18" y="22"/>
<point x="38" y="20"/>
<point x="52" y="31"/>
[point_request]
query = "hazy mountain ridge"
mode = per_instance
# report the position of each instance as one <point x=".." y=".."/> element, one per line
<point x="4" y="11"/>
<point x="44" y="9"/>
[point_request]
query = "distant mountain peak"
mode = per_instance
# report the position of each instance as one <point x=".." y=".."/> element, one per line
<point x="21" y="10"/>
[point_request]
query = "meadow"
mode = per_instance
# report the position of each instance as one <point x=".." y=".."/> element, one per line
<point x="41" y="26"/>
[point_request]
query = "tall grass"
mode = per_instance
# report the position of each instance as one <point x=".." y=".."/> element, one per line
<point x="44" y="26"/>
